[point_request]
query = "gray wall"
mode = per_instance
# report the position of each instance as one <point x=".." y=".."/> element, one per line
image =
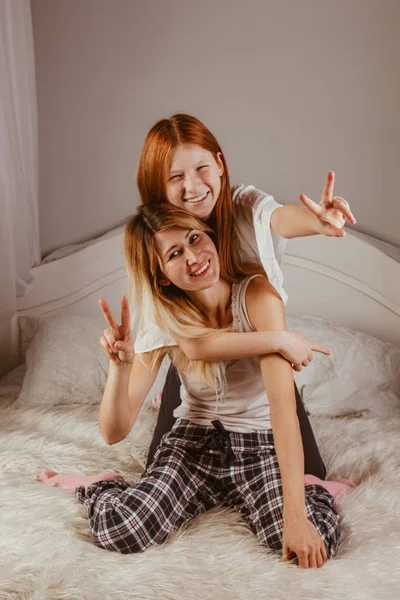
<point x="291" y="88"/>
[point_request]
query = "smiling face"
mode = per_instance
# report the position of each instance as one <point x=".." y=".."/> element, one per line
<point x="194" y="180"/>
<point x="188" y="259"/>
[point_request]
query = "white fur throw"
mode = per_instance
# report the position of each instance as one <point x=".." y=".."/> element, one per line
<point x="47" y="552"/>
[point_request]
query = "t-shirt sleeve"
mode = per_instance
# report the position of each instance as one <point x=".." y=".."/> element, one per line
<point x="152" y="339"/>
<point x="264" y="213"/>
<point x="147" y="336"/>
<point x="253" y="210"/>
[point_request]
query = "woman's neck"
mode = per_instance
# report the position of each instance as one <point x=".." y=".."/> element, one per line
<point x="215" y="304"/>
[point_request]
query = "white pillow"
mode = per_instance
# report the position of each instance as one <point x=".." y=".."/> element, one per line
<point x="362" y="375"/>
<point x="66" y="364"/>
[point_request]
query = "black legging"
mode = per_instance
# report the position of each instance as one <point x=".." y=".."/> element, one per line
<point x="313" y="463"/>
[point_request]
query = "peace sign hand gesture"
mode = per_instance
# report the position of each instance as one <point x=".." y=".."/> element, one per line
<point x="117" y="340"/>
<point x="332" y="211"/>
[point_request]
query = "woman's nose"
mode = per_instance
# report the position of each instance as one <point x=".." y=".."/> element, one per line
<point x="191" y="256"/>
<point x="190" y="183"/>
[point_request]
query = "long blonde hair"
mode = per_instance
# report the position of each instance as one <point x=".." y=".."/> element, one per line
<point x="169" y="307"/>
<point x="155" y="161"/>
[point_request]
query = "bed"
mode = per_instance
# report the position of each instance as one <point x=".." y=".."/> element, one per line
<point x="342" y="292"/>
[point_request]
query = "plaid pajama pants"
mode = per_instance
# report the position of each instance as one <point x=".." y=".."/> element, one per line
<point x="195" y="468"/>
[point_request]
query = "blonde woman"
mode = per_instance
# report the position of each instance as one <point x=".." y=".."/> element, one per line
<point x="236" y="440"/>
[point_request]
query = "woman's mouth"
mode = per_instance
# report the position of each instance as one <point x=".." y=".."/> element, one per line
<point x="197" y="199"/>
<point x="202" y="271"/>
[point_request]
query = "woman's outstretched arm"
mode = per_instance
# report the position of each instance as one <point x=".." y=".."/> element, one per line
<point x="328" y="217"/>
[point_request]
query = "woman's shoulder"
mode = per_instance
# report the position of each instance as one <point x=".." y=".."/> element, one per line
<point x="250" y="202"/>
<point x="259" y="288"/>
<point x="256" y="298"/>
<point x="251" y="284"/>
<point x="241" y="192"/>
<point x="264" y="305"/>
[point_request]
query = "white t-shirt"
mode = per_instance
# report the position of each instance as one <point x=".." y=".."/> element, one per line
<point x="257" y="242"/>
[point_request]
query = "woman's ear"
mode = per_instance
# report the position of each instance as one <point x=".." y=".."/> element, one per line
<point x="164" y="282"/>
<point x="220" y="164"/>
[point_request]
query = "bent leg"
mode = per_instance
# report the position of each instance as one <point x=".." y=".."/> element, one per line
<point x="170" y="400"/>
<point x="131" y="518"/>
<point x="256" y="492"/>
<point x="313" y="463"/>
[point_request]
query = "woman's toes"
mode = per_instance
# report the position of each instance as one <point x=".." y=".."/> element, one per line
<point x="45" y="476"/>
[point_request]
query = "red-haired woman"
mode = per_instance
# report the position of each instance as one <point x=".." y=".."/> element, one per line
<point x="182" y="163"/>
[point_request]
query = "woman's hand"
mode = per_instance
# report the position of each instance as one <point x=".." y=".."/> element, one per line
<point x="117" y="340"/>
<point x="332" y="211"/>
<point x="302" y="539"/>
<point x="297" y="349"/>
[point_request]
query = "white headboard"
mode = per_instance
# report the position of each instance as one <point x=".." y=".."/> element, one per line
<point x="345" y="280"/>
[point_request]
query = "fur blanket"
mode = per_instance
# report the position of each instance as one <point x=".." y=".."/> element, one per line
<point x="47" y="552"/>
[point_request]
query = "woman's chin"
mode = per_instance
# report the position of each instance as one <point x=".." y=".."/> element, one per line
<point x="209" y="281"/>
<point x="201" y="211"/>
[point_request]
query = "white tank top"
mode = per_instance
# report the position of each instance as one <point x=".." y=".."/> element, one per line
<point x="242" y="403"/>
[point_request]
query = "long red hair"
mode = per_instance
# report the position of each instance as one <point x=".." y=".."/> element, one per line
<point x="154" y="164"/>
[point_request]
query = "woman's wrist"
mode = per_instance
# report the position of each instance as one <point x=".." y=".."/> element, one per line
<point x="294" y="501"/>
<point x="294" y="220"/>
<point x="119" y="368"/>
<point x="293" y="513"/>
<point x="279" y="340"/>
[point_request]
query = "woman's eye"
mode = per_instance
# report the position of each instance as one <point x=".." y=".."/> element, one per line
<point x="174" y="177"/>
<point x="194" y="237"/>
<point x="174" y="254"/>
<point x="203" y="167"/>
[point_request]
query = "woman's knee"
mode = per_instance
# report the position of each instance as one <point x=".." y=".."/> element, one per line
<point x="128" y="521"/>
<point x="170" y="400"/>
<point x="322" y="513"/>
<point x="124" y="533"/>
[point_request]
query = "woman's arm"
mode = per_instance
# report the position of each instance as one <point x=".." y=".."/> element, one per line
<point x="293" y="220"/>
<point x="125" y="391"/>
<point x="227" y="345"/>
<point x="265" y="310"/>
<point x="328" y="217"/>
<point x="299" y="534"/>
<point x="130" y="376"/>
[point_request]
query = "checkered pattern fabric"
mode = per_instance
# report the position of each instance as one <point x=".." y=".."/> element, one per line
<point x="188" y="477"/>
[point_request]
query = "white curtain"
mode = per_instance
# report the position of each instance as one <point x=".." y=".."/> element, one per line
<point x="19" y="212"/>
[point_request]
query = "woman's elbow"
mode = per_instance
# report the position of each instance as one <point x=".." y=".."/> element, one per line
<point x="192" y="351"/>
<point x="111" y="439"/>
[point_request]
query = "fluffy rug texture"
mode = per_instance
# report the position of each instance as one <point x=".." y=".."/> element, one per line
<point x="46" y="547"/>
